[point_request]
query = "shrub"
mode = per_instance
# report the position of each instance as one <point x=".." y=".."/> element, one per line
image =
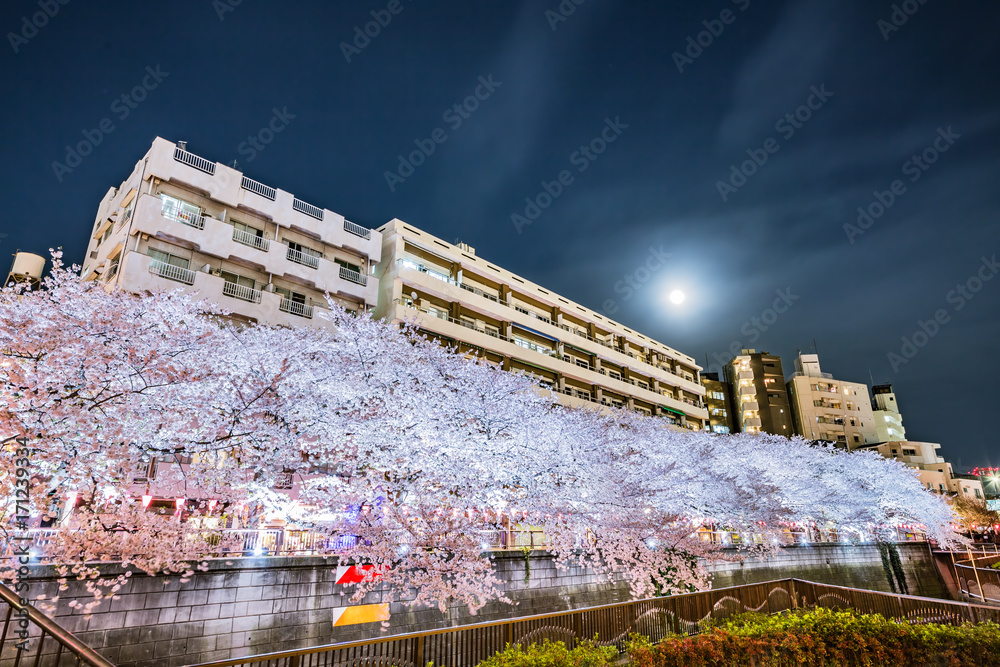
<point x="824" y="638"/>
<point x="554" y="654"/>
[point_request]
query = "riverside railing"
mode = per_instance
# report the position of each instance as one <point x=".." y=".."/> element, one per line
<point x="29" y="637"/>
<point x="977" y="579"/>
<point x="466" y="646"/>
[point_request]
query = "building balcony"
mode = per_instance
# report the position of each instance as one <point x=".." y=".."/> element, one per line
<point x="216" y="238"/>
<point x="141" y="273"/>
<point x="235" y="190"/>
<point x="744" y="375"/>
<point x="447" y="289"/>
<point x="752" y="421"/>
<point x="443" y="325"/>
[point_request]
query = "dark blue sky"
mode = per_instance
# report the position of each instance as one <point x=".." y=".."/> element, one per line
<point x="884" y="96"/>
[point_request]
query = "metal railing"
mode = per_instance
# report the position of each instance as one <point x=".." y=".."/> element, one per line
<point x="126" y="216"/>
<point x="353" y="276"/>
<point x="241" y="292"/>
<point x="255" y="187"/>
<point x="305" y="259"/>
<point x="476" y="290"/>
<point x="196" y="220"/>
<point x="171" y="272"/>
<point x="308" y="209"/>
<point x="296" y="308"/>
<point x="252" y="240"/>
<point x="29" y="637"/>
<point x="193" y="160"/>
<point x="357" y="230"/>
<point x="468" y="645"/>
<point x="978" y="580"/>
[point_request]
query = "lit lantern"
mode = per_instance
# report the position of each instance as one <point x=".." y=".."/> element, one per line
<point x="211" y="505"/>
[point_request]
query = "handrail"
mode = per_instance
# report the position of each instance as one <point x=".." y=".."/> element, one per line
<point x="66" y="639"/>
<point x="479" y="640"/>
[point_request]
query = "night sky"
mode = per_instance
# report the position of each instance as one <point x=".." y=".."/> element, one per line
<point x="818" y="106"/>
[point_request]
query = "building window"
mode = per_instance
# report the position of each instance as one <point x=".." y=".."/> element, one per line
<point x="717" y="395"/>
<point x="237" y="279"/>
<point x="167" y="258"/>
<point x="349" y="266"/>
<point x="978" y="495"/>
<point x="720" y="429"/>
<point x="178" y="210"/>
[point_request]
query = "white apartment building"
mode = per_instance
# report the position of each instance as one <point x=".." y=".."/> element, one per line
<point x="888" y="420"/>
<point x="582" y="356"/>
<point x="828" y="409"/>
<point x="179" y="220"/>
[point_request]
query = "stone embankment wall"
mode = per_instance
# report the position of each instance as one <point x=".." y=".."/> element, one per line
<point x="253" y="606"/>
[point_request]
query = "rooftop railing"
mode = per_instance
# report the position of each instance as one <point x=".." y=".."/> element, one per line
<point x="357" y="230"/>
<point x="308" y="209"/>
<point x="265" y="191"/>
<point x="193" y="160"/>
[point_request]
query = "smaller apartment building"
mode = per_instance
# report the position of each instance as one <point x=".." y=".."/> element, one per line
<point x="719" y="404"/>
<point x="757" y="385"/>
<point x="935" y="473"/>
<point x="828" y="409"/>
<point x="888" y="420"/>
<point x="179" y="220"/>
<point x="583" y="357"/>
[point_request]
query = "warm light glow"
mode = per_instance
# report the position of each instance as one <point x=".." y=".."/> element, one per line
<point x="677" y="297"/>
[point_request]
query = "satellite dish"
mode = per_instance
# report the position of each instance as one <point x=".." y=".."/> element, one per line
<point x="413" y="295"/>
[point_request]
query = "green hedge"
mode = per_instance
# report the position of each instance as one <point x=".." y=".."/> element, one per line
<point x="824" y="638"/>
<point x="554" y="654"/>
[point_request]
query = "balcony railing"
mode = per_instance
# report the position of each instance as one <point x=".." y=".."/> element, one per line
<point x="252" y="240"/>
<point x="241" y="292"/>
<point x="476" y="290"/>
<point x="308" y="209"/>
<point x="353" y="276"/>
<point x="265" y="191"/>
<point x="171" y="272"/>
<point x="122" y="221"/>
<point x="305" y="259"/>
<point x="357" y="230"/>
<point x="193" y="160"/>
<point x="296" y="308"/>
<point x="189" y="218"/>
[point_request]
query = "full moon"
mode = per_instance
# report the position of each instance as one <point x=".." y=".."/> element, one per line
<point x="677" y="297"/>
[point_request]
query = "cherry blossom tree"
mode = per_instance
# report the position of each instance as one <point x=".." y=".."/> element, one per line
<point x="398" y="452"/>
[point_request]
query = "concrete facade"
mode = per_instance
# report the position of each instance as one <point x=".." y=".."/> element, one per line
<point x="181" y="221"/>
<point x="827" y="409"/>
<point x="888" y="420"/>
<point x="254" y="606"/>
<point x="583" y="357"/>
<point x="757" y="386"/>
